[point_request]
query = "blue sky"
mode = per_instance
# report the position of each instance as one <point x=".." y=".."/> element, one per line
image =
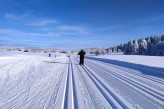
<point x="75" y="24"/>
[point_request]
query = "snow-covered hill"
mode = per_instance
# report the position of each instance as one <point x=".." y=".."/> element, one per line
<point x="30" y="49"/>
<point x="36" y="81"/>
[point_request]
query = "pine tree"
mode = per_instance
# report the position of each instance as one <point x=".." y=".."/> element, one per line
<point x="153" y="45"/>
<point x="125" y="46"/>
<point x="142" y="47"/>
<point x="130" y="47"/>
<point x="135" y="48"/>
<point x="148" y="52"/>
<point x="162" y="38"/>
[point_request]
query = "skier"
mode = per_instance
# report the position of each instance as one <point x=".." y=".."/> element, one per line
<point x="49" y="55"/>
<point x="81" y="53"/>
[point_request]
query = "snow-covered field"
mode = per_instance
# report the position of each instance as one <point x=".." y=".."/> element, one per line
<point x="36" y="81"/>
<point x="154" y="61"/>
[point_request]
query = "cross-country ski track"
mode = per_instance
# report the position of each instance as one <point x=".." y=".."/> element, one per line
<point x="61" y="83"/>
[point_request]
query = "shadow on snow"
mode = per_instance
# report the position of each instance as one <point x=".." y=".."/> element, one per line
<point x="147" y="70"/>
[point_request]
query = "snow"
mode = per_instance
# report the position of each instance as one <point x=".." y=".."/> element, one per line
<point x="36" y="81"/>
<point x="153" y="61"/>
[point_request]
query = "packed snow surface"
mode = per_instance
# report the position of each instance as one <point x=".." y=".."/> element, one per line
<point x="36" y="81"/>
<point x="154" y="61"/>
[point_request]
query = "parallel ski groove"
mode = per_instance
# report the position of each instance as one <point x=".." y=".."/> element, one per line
<point x="109" y="91"/>
<point x="60" y="101"/>
<point x="121" y="78"/>
<point x="159" y="80"/>
<point x="138" y="85"/>
<point x="61" y="83"/>
<point x="67" y="88"/>
<point x="104" y="91"/>
<point x="84" y="82"/>
<point x="117" y="68"/>
<point x="74" y="90"/>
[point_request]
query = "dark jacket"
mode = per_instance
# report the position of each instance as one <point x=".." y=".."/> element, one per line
<point x="81" y="53"/>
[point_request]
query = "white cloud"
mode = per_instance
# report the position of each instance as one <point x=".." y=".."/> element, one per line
<point x="12" y="32"/>
<point x="68" y="30"/>
<point x="42" y="22"/>
<point x="25" y="19"/>
<point x="156" y="18"/>
<point x="59" y="32"/>
<point x="12" y="16"/>
<point x="50" y="27"/>
<point x="72" y="30"/>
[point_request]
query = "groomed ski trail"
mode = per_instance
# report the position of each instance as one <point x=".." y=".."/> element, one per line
<point x="61" y="83"/>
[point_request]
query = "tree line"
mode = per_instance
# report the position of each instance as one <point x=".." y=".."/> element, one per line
<point x="153" y="46"/>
